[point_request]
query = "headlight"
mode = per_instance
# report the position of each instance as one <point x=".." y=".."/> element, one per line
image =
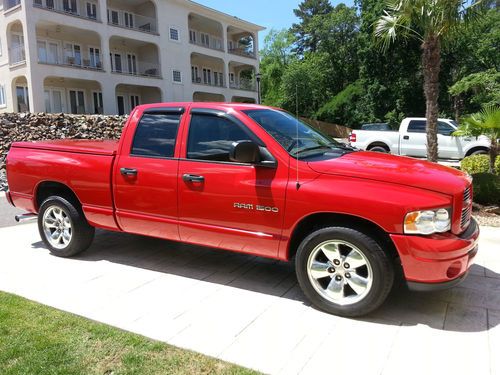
<point x="427" y="222"/>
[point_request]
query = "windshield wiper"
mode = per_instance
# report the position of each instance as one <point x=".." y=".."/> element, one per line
<point x="305" y="149"/>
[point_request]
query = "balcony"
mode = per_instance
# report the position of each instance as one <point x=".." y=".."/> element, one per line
<point x="17" y="55"/>
<point x="8" y="4"/>
<point x="53" y="48"/>
<point x="205" y="32"/>
<point x="243" y="84"/>
<point x="125" y="58"/>
<point x="207" y="70"/>
<point x="240" y="42"/>
<point x="138" y="16"/>
<point x="87" y="10"/>
<point x="241" y="76"/>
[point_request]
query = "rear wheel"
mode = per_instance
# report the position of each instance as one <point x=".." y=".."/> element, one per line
<point x="344" y="272"/>
<point x="63" y="227"/>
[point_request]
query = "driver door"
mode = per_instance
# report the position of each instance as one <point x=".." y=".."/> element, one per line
<point x="224" y="204"/>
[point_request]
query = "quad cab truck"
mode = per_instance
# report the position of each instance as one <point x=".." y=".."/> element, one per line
<point x="411" y="140"/>
<point x="255" y="180"/>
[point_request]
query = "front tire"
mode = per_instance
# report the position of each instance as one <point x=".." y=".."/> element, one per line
<point x="343" y="271"/>
<point x="63" y="227"/>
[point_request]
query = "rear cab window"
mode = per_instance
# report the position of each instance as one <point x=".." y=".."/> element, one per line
<point x="156" y="135"/>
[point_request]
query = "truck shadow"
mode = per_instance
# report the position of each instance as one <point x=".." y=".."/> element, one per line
<point x="462" y="309"/>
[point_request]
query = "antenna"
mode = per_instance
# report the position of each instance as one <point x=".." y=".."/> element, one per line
<point x="297" y="183"/>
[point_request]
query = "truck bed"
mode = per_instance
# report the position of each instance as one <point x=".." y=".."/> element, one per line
<point x="80" y="146"/>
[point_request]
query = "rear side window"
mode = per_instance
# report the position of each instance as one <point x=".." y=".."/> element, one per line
<point x="155" y="135"/>
<point x="211" y="137"/>
<point x="417" y="126"/>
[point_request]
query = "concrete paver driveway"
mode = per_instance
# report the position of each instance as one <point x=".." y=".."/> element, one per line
<point x="250" y="311"/>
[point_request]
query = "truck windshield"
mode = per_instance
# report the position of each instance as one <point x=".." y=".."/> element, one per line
<point x="299" y="139"/>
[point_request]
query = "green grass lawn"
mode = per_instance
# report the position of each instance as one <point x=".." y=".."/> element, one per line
<point x="36" y="339"/>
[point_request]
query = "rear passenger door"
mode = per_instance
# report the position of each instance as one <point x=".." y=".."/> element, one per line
<point x="414" y="139"/>
<point x="145" y="176"/>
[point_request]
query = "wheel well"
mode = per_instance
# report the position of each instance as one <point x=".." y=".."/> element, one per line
<point x="322" y="220"/>
<point x="380" y="144"/>
<point x="49" y="188"/>
<point x="477" y="148"/>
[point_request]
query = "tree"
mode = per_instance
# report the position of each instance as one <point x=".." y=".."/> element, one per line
<point x="275" y="57"/>
<point x="484" y="88"/>
<point x="486" y="122"/>
<point x="307" y="38"/>
<point x="431" y="22"/>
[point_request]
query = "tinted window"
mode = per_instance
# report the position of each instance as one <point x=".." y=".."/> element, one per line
<point x="155" y="135"/>
<point x="211" y="137"/>
<point x="444" y="128"/>
<point x="417" y="126"/>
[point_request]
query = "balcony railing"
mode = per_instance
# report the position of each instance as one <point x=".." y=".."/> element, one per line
<point x="94" y="63"/>
<point x="64" y="7"/>
<point x="132" y="21"/>
<point x="17" y="55"/>
<point x="200" y="81"/>
<point x="207" y="42"/>
<point x="241" y="52"/>
<point x="7" y="4"/>
<point x="143" y="69"/>
<point x="246" y="85"/>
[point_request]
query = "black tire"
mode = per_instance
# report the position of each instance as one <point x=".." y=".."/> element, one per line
<point x="82" y="234"/>
<point x="379" y="149"/>
<point x="381" y="271"/>
<point x="479" y="152"/>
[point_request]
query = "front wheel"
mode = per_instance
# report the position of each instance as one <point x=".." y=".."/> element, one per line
<point x="63" y="227"/>
<point x="343" y="271"/>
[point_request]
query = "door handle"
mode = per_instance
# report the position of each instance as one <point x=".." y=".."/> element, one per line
<point x="128" y="171"/>
<point x="406" y="137"/>
<point x="193" y="178"/>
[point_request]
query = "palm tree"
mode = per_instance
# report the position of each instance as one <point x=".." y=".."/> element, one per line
<point x="486" y="122"/>
<point x="431" y="22"/>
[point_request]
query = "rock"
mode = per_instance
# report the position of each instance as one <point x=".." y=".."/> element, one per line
<point x="15" y="127"/>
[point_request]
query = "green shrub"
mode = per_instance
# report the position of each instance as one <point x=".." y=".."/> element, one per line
<point x="486" y="188"/>
<point x="479" y="164"/>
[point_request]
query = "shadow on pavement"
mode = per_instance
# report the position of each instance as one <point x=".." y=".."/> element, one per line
<point x="461" y="309"/>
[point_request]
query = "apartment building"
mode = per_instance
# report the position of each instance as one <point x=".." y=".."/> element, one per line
<point x="107" y="56"/>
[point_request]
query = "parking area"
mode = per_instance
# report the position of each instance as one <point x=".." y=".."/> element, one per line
<point x="250" y="311"/>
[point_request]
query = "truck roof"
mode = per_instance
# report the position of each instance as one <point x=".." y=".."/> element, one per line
<point x="215" y="105"/>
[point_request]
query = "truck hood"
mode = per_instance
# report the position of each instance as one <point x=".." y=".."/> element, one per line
<point x="396" y="170"/>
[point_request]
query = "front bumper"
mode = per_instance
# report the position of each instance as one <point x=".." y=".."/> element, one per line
<point x="437" y="261"/>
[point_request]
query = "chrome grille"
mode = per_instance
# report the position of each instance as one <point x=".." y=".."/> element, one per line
<point x="466" y="208"/>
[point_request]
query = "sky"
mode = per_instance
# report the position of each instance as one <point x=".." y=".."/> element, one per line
<point x="276" y="14"/>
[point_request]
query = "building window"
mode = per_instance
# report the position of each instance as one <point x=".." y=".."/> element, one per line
<point x="91" y="11"/>
<point x="97" y="99"/>
<point x="3" y="101"/>
<point x="174" y="34"/>
<point x="134" y="101"/>
<point x="77" y="101"/>
<point x="177" y="76"/>
<point x="192" y="36"/>
<point x="23" y="102"/>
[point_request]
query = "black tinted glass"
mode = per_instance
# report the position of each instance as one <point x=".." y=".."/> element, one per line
<point x="444" y="128"/>
<point x="155" y="135"/>
<point x="417" y="126"/>
<point x="211" y="137"/>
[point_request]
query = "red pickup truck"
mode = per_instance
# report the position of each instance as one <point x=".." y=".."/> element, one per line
<point x="256" y="180"/>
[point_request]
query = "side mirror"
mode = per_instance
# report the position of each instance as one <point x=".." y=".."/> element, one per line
<point x="244" y="152"/>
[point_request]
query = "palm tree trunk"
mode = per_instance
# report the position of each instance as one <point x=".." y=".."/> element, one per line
<point x="493" y="154"/>
<point x="431" y="63"/>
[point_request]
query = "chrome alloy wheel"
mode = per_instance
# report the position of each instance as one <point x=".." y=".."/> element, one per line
<point x="57" y="227"/>
<point x="339" y="272"/>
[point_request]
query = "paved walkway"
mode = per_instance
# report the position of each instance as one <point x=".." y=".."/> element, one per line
<point x="250" y="311"/>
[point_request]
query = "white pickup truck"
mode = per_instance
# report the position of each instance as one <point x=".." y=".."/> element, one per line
<point x="411" y="140"/>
